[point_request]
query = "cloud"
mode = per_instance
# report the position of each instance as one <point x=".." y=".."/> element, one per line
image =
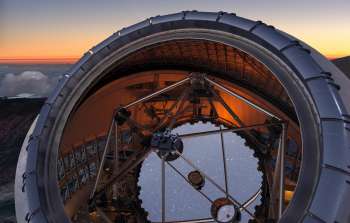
<point x="27" y="83"/>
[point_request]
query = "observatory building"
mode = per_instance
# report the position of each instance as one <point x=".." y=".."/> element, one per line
<point x="122" y="101"/>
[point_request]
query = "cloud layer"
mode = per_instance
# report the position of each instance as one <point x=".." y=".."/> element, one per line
<point x="27" y="83"/>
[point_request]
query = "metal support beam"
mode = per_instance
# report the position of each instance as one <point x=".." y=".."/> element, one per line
<point x="202" y="220"/>
<point x="116" y="160"/>
<point x="224" y="160"/>
<point x="282" y="174"/>
<point x="163" y="189"/>
<point x="100" y="169"/>
<point x="169" y="112"/>
<point x="170" y="87"/>
<point x="251" y="199"/>
<point x="227" y="108"/>
<point x="278" y="185"/>
<point x="179" y="110"/>
<point x="241" y="98"/>
<point x="205" y="133"/>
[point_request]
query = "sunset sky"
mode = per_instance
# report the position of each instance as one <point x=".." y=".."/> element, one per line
<point x="62" y="30"/>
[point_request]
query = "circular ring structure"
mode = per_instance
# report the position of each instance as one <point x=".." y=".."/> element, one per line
<point x="318" y="91"/>
<point x="223" y="210"/>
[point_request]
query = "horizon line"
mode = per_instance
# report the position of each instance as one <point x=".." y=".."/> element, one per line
<point x="63" y="60"/>
<point x="72" y="60"/>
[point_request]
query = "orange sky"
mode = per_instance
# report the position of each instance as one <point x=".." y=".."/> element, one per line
<point x="40" y="31"/>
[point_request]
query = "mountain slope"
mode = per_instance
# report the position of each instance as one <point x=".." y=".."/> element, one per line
<point x="16" y="116"/>
<point x="343" y="64"/>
